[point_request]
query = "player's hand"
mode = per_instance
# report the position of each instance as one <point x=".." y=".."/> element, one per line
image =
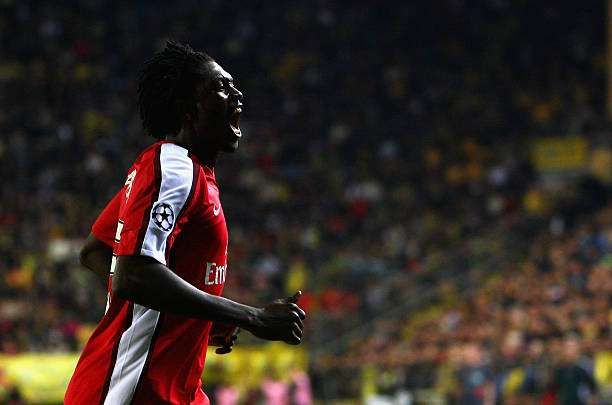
<point x="282" y="319"/>
<point x="224" y="336"/>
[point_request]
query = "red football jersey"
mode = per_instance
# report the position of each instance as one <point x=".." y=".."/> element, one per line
<point x="168" y="209"/>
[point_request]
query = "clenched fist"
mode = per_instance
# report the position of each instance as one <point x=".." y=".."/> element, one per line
<point x="282" y="319"/>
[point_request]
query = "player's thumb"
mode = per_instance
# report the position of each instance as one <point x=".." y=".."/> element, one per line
<point x="223" y="350"/>
<point x="294" y="298"/>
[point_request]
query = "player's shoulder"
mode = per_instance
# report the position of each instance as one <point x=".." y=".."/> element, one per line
<point x="165" y="156"/>
<point x="163" y="165"/>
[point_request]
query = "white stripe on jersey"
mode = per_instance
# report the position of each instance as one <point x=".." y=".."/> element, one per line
<point x="176" y="179"/>
<point x="131" y="356"/>
<point x="175" y="187"/>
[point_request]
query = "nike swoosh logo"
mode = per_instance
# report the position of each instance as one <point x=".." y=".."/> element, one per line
<point x="216" y="210"/>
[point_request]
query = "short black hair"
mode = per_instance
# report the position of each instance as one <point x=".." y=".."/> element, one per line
<point x="167" y="88"/>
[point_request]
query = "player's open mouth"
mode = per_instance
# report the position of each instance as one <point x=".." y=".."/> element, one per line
<point x="234" y="121"/>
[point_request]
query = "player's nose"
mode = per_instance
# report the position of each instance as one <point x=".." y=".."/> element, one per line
<point x="236" y="96"/>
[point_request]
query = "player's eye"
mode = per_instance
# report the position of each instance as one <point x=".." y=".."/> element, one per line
<point x="220" y="85"/>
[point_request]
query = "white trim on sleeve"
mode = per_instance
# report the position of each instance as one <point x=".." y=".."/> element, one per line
<point x="176" y="182"/>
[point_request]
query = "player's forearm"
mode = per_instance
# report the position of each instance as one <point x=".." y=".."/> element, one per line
<point x="96" y="256"/>
<point x="148" y="282"/>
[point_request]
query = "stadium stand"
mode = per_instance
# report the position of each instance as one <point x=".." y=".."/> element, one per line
<point x="390" y="169"/>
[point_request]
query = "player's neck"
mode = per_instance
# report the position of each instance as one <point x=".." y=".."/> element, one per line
<point x="205" y="157"/>
<point x="208" y="161"/>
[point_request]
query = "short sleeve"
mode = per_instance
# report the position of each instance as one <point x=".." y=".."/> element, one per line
<point x="105" y="226"/>
<point x="159" y="193"/>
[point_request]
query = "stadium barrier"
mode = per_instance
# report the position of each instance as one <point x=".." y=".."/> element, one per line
<point x="43" y="377"/>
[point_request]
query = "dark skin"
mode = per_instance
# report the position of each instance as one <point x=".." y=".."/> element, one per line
<point x="214" y="129"/>
<point x="96" y="256"/>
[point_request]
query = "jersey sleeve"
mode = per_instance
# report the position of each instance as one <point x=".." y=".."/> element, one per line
<point x="106" y="224"/>
<point x="156" y="198"/>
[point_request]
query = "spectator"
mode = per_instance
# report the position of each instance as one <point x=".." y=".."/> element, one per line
<point x="575" y="384"/>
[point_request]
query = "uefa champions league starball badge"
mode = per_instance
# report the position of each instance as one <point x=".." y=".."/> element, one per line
<point x="163" y="216"/>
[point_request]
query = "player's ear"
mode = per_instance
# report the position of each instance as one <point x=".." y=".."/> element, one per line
<point x="189" y="121"/>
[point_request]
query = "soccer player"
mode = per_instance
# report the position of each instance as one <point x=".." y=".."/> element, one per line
<point x="169" y="241"/>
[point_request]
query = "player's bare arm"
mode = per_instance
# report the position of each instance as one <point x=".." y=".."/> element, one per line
<point x="147" y="282"/>
<point x="96" y="256"/>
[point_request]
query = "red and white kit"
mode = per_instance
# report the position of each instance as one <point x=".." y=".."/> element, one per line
<point x="168" y="209"/>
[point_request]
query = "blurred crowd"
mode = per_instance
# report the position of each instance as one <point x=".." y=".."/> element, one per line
<point x="530" y="333"/>
<point x="384" y="169"/>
